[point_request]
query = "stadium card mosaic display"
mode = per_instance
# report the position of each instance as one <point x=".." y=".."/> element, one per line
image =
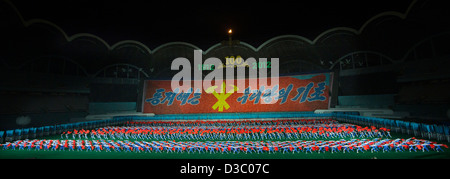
<point x="293" y="93"/>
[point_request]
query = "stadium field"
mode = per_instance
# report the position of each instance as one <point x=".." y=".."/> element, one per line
<point x="279" y="154"/>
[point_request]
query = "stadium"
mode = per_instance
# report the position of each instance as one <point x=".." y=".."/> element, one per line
<point x="377" y="90"/>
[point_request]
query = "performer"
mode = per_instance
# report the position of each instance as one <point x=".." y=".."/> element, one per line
<point x="438" y="147"/>
<point x="88" y="145"/>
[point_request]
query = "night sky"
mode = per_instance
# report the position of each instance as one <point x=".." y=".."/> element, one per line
<point x="203" y="23"/>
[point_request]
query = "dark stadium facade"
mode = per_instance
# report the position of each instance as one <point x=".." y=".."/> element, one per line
<point x="400" y="57"/>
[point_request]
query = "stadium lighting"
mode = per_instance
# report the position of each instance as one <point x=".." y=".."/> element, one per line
<point x="230" y="32"/>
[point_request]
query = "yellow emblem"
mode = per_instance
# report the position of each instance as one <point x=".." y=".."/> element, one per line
<point x="222" y="96"/>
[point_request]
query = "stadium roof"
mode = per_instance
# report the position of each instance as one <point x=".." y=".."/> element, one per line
<point x="203" y="23"/>
<point x="95" y="35"/>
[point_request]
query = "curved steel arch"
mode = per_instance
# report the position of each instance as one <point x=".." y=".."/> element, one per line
<point x="68" y="38"/>
<point x="28" y="23"/>
<point x="220" y="44"/>
<point x="46" y="58"/>
<point x="249" y="46"/>
<point x="81" y="35"/>
<point x="329" y="34"/>
<point x="176" y="43"/>
<point x="420" y="43"/>
<point x="211" y="48"/>
<point x="359" y="52"/>
<point x="276" y="45"/>
<point x="361" y="29"/>
<point x="284" y="36"/>
<point x="139" y="44"/>
<point x="120" y="64"/>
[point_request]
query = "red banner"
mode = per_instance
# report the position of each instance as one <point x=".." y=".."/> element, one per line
<point x="293" y="93"/>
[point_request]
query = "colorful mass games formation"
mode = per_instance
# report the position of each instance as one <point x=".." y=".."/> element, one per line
<point x="229" y="133"/>
<point x="353" y="145"/>
<point x="244" y="136"/>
